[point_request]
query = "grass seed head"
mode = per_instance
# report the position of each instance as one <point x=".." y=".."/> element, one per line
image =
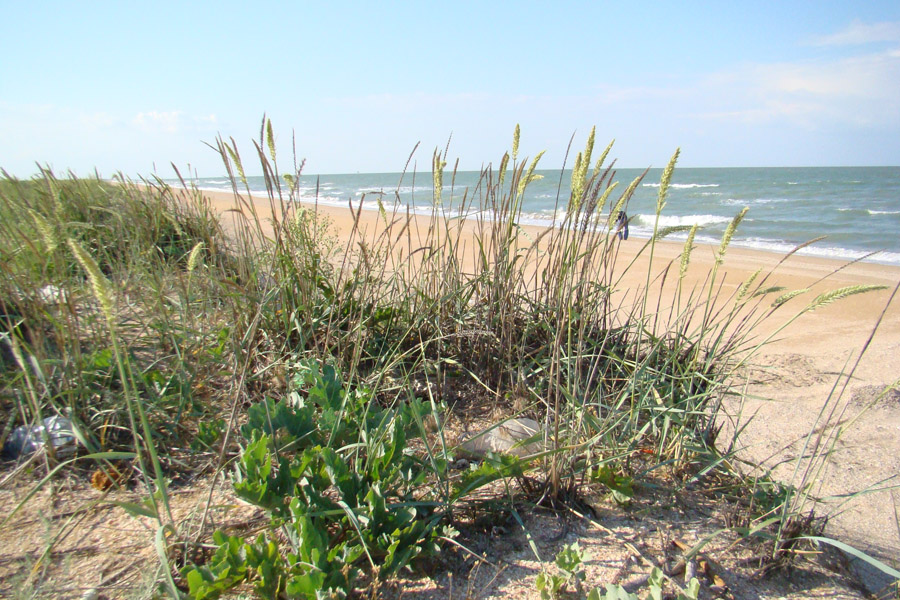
<point x="729" y="233"/>
<point x="502" y="173"/>
<point x="515" y="146"/>
<point x="840" y="293"/>
<point x="577" y="184"/>
<point x="46" y="231"/>
<point x="99" y="284"/>
<point x="745" y="287"/>
<point x="437" y="168"/>
<point x="194" y="257"/>
<point x="270" y="138"/>
<point x="785" y="297"/>
<point x="529" y="175"/>
<point x="602" y="158"/>
<point x="236" y="159"/>
<point x="686" y="252"/>
<point x="665" y="180"/>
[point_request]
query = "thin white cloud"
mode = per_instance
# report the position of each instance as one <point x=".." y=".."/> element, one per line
<point x="858" y="33"/>
<point x="615" y="95"/>
<point x="174" y="122"/>
<point x="207" y="120"/>
<point x="159" y="121"/>
<point x="98" y="120"/>
<point x="64" y="138"/>
<point x="861" y="90"/>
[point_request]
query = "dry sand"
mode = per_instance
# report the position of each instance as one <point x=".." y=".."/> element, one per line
<point x="793" y="376"/>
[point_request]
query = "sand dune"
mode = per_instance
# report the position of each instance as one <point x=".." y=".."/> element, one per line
<point x="792" y="376"/>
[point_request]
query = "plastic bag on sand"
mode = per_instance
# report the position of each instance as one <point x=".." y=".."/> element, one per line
<point x="519" y="437"/>
<point x="26" y="440"/>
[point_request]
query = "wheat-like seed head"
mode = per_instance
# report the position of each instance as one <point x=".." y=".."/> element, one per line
<point x="602" y="158"/>
<point x="503" y="163"/>
<point x="530" y="176"/>
<point x="54" y="195"/>
<point x="665" y="180"/>
<point x="194" y="257"/>
<point x="745" y="287"/>
<point x="840" y="293"/>
<point x="577" y="184"/>
<point x="729" y="233"/>
<point x="686" y="252"/>
<point x="769" y="290"/>
<point x="46" y="231"/>
<point x="604" y="198"/>
<point x="99" y="284"/>
<point x="579" y="171"/>
<point x="785" y="297"/>
<point x="236" y="159"/>
<point x="614" y="213"/>
<point x="270" y="138"/>
<point x="664" y="232"/>
<point x="588" y="150"/>
<point x="515" y="146"/>
<point x="382" y="211"/>
<point x="437" y="169"/>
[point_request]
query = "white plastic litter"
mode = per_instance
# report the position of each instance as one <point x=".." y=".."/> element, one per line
<point x="519" y="437"/>
<point x="26" y="440"/>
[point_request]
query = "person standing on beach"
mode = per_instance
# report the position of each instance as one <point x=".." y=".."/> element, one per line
<point x="622" y="226"/>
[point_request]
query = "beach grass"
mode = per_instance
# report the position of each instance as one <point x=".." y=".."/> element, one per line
<point x="319" y="375"/>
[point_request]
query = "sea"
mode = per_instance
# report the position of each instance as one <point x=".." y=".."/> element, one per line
<point x="856" y="209"/>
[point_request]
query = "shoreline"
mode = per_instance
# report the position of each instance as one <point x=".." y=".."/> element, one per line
<point x="851" y="317"/>
<point x="773" y="247"/>
<point x="222" y="200"/>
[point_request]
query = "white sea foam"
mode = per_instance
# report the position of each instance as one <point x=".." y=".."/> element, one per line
<point x="683" y="186"/>
<point x="403" y="189"/>
<point x="782" y="247"/>
<point x="753" y="202"/>
<point x="891" y="258"/>
<point x="670" y="221"/>
<point x="884" y="212"/>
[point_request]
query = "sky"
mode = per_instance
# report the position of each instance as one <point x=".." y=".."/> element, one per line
<point x="136" y="87"/>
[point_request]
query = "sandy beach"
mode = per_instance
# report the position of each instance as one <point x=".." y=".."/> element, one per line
<point x="791" y="386"/>
<point x="792" y="376"/>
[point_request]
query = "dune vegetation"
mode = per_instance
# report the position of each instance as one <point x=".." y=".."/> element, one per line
<point x="325" y="382"/>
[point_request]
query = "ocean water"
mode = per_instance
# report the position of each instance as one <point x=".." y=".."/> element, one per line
<point x="856" y="208"/>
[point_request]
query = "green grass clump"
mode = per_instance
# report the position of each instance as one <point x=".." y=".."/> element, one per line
<point x="321" y="375"/>
<point x="86" y="263"/>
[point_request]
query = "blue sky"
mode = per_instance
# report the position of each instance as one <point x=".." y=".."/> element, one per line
<point x="133" y="86"/>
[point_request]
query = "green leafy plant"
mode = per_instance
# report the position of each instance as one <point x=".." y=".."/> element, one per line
<point x="208" y="433"/>
<point x="655" y="590"/>
<point x="619" y="486"/>
<point x="336" y="474"/>
<point x="570" y="563"/>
